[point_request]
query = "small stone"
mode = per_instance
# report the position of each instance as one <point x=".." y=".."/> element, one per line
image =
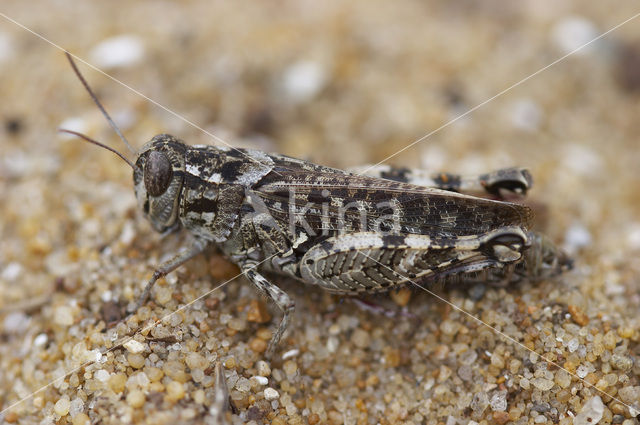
<point x="582" y="371"/>
<point x="525" y="114"/>
<point x="220" y="269"/>
<point x="13" y="270"/>
<point x="40" y="340"/>
<point x="401" y="296"/>
<point x="237" y="324"/>
<point x="621" y="362"/>
<point x="264" y="333"/>
<point x="243" y="384"/>
<point x="175" y="370"/>
<point x="449" y="327"/>
<point x="574" y="32"/>
<point x="465" y="373"/>
<point x="629" y="395"/>
<point x="573" y="345"/>
<point x="163" y="294"/>
<point x="199" y="396"/>
<point x="541" y="407"/>
<point x="230" y="363"/>
<point x="257" y="312"/>
<point x="175" y="391"/>
<point x="76" y="407"/>
<point x="63" y="316"/>
<point x="542" y="384"/>
<point x="290" y="368"/>
<point x="258" y="345"/>
<point x="11" y="417"/>
<point x="263" y="368"/>
<point x="479" y="402"/>
<point x="291" y="353"/>
<point x="136" y="361"/>
<point x="498" y="401"/>
<point x="62" y="406"/>
<point x="270" y="394"/>
<point x="577" y="237"/>
<point x="477" y="291"/>
<point x="260" y="380"/>
<point x="81" y="419"/>
<point x="303" y="80"/>
<point x="578" y="315"/>
<point x="117" y="382"/>
<point x="591" y="412"/>
<point x="102" y="375"/>
<point x="361" y="338"/>
<point x="120" y="51"/>
<point x="563" y="379"/>
<point x="497" y="361"/>
<point x="134" y="346"/>
<point x="500" y="417"/>
<point x="196" y="361"/>
<point x="154" y="373"/>
<point x="136" y="399"/>
<point x="16" y="322"/>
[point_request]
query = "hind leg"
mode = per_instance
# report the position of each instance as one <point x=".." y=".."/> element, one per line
<point x="496" y="183"/>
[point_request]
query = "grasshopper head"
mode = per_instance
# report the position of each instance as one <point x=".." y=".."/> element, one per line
<point x="157" y="178"/>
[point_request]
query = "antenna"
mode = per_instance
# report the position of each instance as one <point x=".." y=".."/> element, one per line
<point x="90" y="140"/>
<point x="104" y="112"/>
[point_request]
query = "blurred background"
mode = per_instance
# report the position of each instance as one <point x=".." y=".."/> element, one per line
<point x="338" y="83"/>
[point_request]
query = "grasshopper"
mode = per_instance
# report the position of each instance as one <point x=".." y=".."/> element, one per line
<point x="345" y="232"/>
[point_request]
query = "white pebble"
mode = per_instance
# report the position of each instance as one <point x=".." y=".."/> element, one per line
<point x="290" y="353"/>
<point x="271" y="394"/>
<point x="40" y="340"/>
<point x="12" y="271"/>
<point x="303" y="80"/>
<point x="261" y="380"/>
<point x="591" y="412"/>
<point x="106" y="296"/>
<point x="120" y="51"/>
<point x="15" y="322"/>
<point x="134" y="346"/>
<point x="573" y="32"/>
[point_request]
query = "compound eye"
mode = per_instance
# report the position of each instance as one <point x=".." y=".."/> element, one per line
<point x="157" y="173"/>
